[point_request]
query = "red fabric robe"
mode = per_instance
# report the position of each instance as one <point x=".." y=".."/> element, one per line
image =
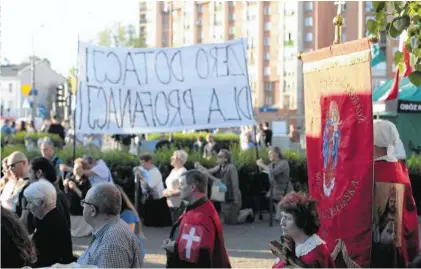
<point x="199" y="240"/>
<point x="317" y="257"/>
<point x="396" y="172"/>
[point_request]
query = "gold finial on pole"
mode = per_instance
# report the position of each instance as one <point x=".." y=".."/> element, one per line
<point x="338" y="21"/>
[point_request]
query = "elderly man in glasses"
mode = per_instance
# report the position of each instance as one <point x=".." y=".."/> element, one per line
<point x="114" y="245"/>
<point x="18" y="166"/>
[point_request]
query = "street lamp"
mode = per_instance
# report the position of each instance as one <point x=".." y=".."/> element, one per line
<point x="33" y="83"/>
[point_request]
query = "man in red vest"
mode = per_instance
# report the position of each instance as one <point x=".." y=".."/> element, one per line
<point x="196" y="239"/>
<point x="395" y="229"/>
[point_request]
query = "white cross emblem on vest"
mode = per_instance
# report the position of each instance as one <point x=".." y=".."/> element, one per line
<point x="190" y="237"/>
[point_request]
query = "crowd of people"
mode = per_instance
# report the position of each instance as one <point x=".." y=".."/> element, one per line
<point x="45" y="203"/>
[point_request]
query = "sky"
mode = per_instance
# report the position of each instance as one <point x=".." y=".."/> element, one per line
<point x="50" y="28"/>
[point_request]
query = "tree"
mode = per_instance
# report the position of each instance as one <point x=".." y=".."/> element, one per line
<point x="120" y="35"/>
<point x="393" y="18"/>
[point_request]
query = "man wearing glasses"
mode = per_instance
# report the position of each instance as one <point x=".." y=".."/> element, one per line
<point x="18" y="165"/>
<point x="113" y="244"/>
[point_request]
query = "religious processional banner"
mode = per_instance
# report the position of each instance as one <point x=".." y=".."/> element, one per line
<point x="139" y="90"/>
<point x="339" y="136"/>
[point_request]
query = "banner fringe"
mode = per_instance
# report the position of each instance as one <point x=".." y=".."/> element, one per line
<point x="336" y="50"/>
<point x="341" y="248"/>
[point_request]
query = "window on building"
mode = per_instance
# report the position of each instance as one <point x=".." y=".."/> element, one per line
<point x="287" y="101"/>
<point x="368" y="6"/>
<point x="198" y="8"/>
<point x="269" y="101"/>
<point x="10" y="87"/>
<point x="251" y="17"/>
<point x="268" y="86"/>
<point x="251" y="43"/>
<point x="267" y="41"/>
<point x="308" y="21"/>
<point x="308" y="6"/>
<point x="231" y="3"/>
<point x="267" y="26"/>
<point x="266" y="71"/>
<point x="344" y="37"/>
<point x="308" y="37"/>
<point x="142" y="18"/>
<point x="267" y="56"/>
<point x="142" y="6"/>
<point x="267" y="11"/>
<point x="232" y="16"/>
<point x="232" y="30"/>
<point x="279" y="69"/>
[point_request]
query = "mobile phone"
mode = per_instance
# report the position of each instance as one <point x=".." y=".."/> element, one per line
<point x="276" y="244"/>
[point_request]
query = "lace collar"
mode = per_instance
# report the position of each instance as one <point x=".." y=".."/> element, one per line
<point x="311" y="243"/>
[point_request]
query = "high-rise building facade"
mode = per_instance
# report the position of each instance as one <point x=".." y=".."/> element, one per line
<point x="277" y="31"/>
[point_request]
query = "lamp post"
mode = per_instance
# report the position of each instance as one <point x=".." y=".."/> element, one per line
<point x="33" y="79"/>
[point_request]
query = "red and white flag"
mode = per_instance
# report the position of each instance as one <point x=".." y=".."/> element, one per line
<point x="392" y="94"/>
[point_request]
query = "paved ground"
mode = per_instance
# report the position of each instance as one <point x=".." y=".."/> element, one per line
<point x="247" y="244"/>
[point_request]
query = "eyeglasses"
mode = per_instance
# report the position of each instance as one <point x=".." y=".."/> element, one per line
<point x="83" y="203"/>
<point x="30" y="202"/>
<point x="12" y="166"/>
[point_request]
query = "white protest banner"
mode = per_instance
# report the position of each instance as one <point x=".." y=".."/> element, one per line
<point x="131" y="90"/>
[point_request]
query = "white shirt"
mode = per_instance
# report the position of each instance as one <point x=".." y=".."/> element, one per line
<point x="173" y="183"/>
<point x="155" y="183"/>
<point x="6" y="197"/>
<point x="102" y="173"/>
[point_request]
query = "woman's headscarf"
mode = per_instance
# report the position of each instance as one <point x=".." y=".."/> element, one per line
<point x="386" y="136"/>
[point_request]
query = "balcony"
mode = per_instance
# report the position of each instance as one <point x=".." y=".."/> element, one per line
<point x="289" y="43"/>
<point x="143" y="6"/>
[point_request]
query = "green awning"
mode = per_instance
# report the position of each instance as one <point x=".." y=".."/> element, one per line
<point x="407" y="90"/>
<point x="380" y="91"/>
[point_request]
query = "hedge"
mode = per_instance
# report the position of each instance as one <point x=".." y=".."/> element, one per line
<point x="122" y="163"/>
<point x="181" y="140"/>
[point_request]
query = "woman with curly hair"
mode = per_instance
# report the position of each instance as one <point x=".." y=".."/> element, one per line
<point x="17" y="249"/>
<point x="300" y="246"/>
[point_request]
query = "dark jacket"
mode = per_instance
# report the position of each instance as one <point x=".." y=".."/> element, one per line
<point x="53" y="240"/>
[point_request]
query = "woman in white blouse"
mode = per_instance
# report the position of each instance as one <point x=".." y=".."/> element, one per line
<point x="172" y="182"/>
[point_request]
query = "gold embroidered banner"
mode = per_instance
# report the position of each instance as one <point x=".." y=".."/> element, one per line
<point x="339" y="136"/>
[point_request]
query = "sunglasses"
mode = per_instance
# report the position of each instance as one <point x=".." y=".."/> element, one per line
<point x="83" y="203"/>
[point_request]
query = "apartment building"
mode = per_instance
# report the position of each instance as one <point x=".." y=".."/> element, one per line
<point x="277" y="32"/>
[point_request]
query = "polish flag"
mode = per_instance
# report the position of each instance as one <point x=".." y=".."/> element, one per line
<point x="394" y="90"/>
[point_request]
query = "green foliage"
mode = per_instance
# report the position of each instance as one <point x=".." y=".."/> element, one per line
<point x="120" y="35"/>
<point x="414" y="165"/>
<point x="122" y="163"/>
<point x="187" y="140"/>
<point x="289" y="43"/>
<point x="19" y="138"/>
<point x="395" y="17"/>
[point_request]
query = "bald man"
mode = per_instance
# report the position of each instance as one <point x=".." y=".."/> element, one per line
<point x="114" y="245"/>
